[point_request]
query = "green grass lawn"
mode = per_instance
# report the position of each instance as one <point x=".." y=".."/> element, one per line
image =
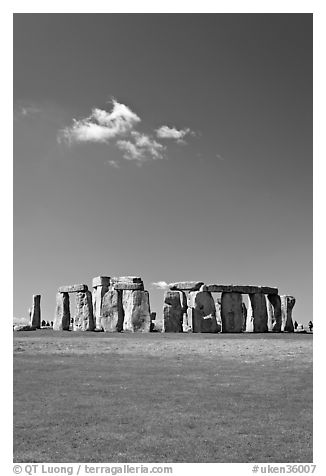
<point x="98" y="397"/>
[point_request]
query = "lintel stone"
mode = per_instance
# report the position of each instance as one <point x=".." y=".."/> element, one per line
<point x="129" y="286"/>
<point x="73" y="288"/>
<point x="101" y="281"/>
<point x="186" y="286"/>
<point x="230" y="288"/>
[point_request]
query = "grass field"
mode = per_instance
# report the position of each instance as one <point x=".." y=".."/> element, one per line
<point x="98" y="397"/>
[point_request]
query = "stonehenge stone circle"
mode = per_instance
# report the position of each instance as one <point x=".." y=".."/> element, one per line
<point x="62" y="313"/>
<point x="36" y="311"/>
<point x="231" y="312"/>
<point x="119" y="304"/>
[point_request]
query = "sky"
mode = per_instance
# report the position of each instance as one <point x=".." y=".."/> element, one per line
<point x="168" y="146"/>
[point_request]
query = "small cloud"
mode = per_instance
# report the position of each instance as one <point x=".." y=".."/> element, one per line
<point x="26" y="111"/>
<point x="142" y="148"/>
<point x="160" y="285"/>
<point x="166" y="132"/>
<point x="101" y="126"/>
<point x="113" y="163"/>
<point x="220" y="157"/>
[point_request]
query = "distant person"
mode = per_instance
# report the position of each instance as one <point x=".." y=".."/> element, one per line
<point x="43" y="323"/>
<point x="51" y="323"/>
<point x="295" y="324"/>
<point x="310" y="325"/>
<point x="48" y="324"/>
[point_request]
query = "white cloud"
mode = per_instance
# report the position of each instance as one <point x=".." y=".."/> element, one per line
<point x="160" y="285"/>
<point x="166" y="132"/>
<point x="102" y="126"/>
<point x="142" y="147"/>
<point x="26" y="111"/>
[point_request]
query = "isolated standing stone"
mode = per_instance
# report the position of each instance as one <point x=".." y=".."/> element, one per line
<point x="203" y="311"/>
<point x="62" y="313"/>
<point x="287" y="304"/>
<point x="112" y="311"/>
<point x="83" y="319"/>
<point x="259" y="312"/>
<point x="173" y="311"/>
<point x="231" y="312"/>
<point x="36" y="311"/>
<point x="137" y="313"/>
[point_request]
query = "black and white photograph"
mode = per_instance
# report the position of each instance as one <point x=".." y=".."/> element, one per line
<point x="162" y="242"/>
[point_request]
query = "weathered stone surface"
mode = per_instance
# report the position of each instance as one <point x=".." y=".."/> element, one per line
<point x="125" y="286"/>
<point x="73" y="288"/>
<point x="259" y="312"/>
<point x="186" y="286"/>
<point x="203" y="311"/>
<point x="101" y="281"/>
<point x="127" y="279"/>
<point x="244" y="317"/>
<point x="230" y="288"/>
<point x="173" y="311"/>
<point x="98" y="294"/>
<point x="27" y="327"/>
<point x="250" y="317"/>
<point x="231" y="312"/>
<point x="83" y="319"/>
<point x="62" y="313"/>
<point x="275" y="301"/>
<point x="287" y="304"/>
<point x="270" y="314"/>
<point x="137" y="313"/>
<point x="112" y="311"/>
<point x="36" y="311"/>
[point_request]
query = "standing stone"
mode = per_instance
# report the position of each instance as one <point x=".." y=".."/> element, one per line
<point x="259" y="312"/>
<point x="98" y="294"/>
<point x="218" y="314"/>
<point x="62" y="313"/>
<point x="287" y="304"/>
<point x="244" y="317"/>
<point x="275" y="301"/>
<point x="36" y="312"/>
<point x="203" y="311"/>
<point x="231" y="312"/>
<point x="173" y="311"/>
<point x="250" y="318"/>
<point x="83" y="319"/>
<point x="270" y="314"/>
<point x="112" y="311"/>
<point x="137" y="313"/>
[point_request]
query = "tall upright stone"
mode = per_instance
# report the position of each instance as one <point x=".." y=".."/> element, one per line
<point x="244" y="317"/>
<point x="250" y="317"/>
<point x="100" y="287"/>
<point x="83" y="319"/>
<point x="218" y="314"/>
<point x="112" y="311"/>
<point x="36" y="311"/>
<point x="173" y="310"/>
<point x="231" y="312"/>
<point x="136" y="309"/>
<point x="287" y="304"/>
<point x="62" y="313"/>
<point x="203" y="311"/>
<point x="259" y="312"/>
<point x="275" y="302"/>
